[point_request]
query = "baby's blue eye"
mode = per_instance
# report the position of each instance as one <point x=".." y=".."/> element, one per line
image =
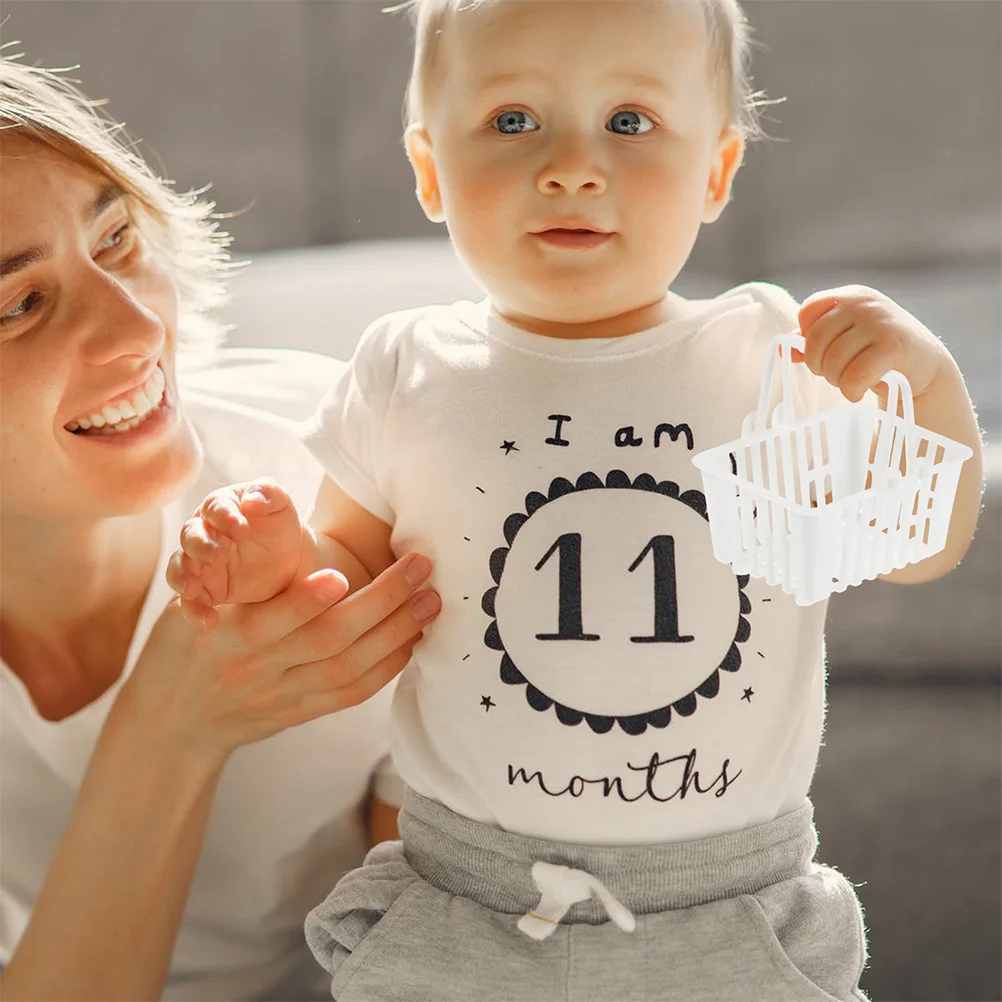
<point x="629" y="123"/>
<point x="512" y="122"/>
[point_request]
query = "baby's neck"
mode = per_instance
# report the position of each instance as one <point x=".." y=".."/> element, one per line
<point x="671" y="307"/>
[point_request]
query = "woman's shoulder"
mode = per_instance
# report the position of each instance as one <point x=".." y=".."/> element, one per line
<point x="246" y="408"/>
<point x="284" y="382"/>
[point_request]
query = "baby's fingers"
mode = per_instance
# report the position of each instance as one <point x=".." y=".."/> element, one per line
<point x="183" y="578"/>
<point x="263" y="497"/>
<point x="199" y="614"/>
<point x="221" y="510"/>
<point x="194" y="599"/>
<point x="201" y="542"/>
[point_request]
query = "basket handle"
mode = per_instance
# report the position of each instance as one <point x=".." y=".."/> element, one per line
<point x="898" y="386"/>
<point x="782" y="345"/>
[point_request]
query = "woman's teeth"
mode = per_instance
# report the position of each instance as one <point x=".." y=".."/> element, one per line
<point x="127" y="413"/>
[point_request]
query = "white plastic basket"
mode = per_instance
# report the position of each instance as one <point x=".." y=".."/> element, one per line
<point x="819" y="503"/>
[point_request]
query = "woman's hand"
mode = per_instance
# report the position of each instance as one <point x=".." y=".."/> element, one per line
<point x="270" y="665"/>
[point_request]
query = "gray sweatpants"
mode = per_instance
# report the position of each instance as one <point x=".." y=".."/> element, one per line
<point x="745" y="916"/>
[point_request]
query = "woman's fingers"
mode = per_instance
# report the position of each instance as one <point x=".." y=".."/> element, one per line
<point x="392" y="636"/>
<point x="307" y="703"/>
<point x="319" y="630"/>
<point x="387" y="606"/>
<point x="269" y="665"/>
<point x="199" y="613"/>
<point x="261" y="625"/>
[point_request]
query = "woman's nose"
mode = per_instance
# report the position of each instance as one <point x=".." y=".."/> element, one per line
<point x="117" y="322"/>
<point x="573" y="167"/>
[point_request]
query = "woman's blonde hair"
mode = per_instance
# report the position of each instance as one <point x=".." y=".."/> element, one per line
<point x="728" y="40"/>
<point x="179" y="228"/>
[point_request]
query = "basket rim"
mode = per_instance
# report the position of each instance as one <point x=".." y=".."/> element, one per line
<point x="949" y="445"/>
<point x="953" y="451"/>
<point x="799" y="507"/>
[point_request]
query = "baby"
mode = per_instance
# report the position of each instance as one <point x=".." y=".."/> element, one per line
<point x="607" y="738"/>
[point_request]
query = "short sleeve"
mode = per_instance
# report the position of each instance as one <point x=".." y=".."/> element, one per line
<point x="345" y="433"/>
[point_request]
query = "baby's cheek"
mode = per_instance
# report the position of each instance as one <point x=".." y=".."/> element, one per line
<point x="476" y="201"/>
<point x="482" y="224"/>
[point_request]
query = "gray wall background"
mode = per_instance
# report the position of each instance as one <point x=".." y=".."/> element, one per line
<point x="888" y="151"/>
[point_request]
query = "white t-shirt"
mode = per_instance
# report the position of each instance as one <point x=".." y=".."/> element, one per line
<point x="287" y="819"/>
<point x="595" y="675"/>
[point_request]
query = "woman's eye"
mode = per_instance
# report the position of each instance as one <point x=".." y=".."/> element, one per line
<point x="22" y="309"/>
<point x="512" y="122"/>
<point x="629" y="123"/>
<point x="122" y="235"/>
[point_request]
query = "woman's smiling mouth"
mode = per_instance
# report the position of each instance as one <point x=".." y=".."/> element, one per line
<point x="125" y="413"/>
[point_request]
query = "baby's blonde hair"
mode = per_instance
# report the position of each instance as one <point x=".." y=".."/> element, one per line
<point x="728" y="38"/>
<point x="177" y="227"/>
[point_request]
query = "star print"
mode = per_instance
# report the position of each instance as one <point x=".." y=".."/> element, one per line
<point x="486" y="702"/>
<point x="509" y="447"/>
<point x="749" y="692"/>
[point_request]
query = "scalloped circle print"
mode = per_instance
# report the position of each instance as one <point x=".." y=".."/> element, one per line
<point x="677" y="619"/>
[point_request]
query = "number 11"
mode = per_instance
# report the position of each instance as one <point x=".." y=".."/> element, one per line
<point x="569" y="618"/>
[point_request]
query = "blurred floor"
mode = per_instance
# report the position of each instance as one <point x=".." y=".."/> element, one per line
<point x="908" y="801"/>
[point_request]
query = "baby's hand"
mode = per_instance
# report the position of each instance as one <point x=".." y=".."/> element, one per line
<point x="243" y="544"/>
<point x="855" y="334"/>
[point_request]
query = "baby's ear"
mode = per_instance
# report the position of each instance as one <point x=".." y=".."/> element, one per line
<point x="730" y="152"/>
<point x="417" y="142"/>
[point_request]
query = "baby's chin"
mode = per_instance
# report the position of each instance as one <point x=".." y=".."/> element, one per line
<point x="581" y="308"/>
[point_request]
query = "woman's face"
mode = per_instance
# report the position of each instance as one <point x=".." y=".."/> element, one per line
<point x="90" y="425"/>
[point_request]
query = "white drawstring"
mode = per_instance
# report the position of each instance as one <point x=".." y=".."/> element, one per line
<point x="561" y="887"/>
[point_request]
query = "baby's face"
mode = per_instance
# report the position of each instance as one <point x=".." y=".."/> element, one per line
<point x="551" y="117"/>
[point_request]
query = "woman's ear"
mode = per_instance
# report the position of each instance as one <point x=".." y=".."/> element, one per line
<point x="417" y="142"/>
<point x="730" y="152"/>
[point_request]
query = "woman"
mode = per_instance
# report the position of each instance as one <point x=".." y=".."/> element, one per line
<point x="165" y="826"/>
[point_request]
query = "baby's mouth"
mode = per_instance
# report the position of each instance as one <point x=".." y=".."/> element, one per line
<point x="566" y="236"/>
<point x="125" y="413"/>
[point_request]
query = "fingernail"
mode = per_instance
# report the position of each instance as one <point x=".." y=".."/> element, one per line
<point x="425" y="606"/>
<point x="328" y="583"/>
<point x="417" y="568"/>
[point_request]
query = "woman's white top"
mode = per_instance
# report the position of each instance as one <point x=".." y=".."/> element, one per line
<point x="287" y="820"/>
